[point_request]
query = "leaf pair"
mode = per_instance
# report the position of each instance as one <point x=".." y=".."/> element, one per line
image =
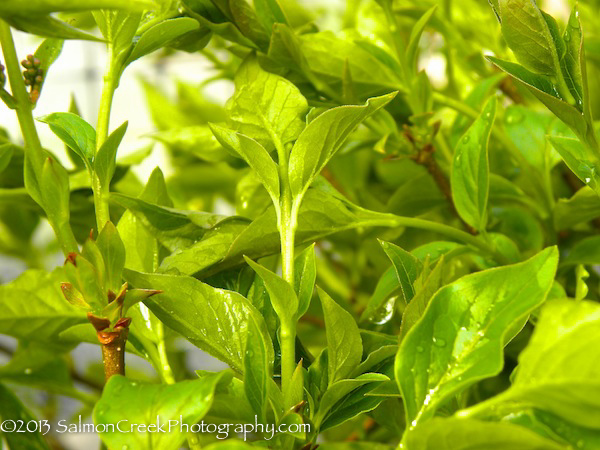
<point x="268" y="112"/>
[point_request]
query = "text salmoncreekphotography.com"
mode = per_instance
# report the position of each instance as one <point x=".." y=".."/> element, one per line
<point x="220" y="431"/>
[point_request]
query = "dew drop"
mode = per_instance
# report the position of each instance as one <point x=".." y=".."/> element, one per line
<point x="466" y="139"/>
<point x="28" y="371"/>
<point x="514" y="117"/>
<point x="439" y="342"/>
<point x="580" y="443"/>
<point x="419" y="349"/>
<point x="385" y="312"/>
<point x="587" y="180"/>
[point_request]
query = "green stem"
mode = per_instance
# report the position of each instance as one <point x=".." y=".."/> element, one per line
<point x="35" y="154"/>
<point x="165" y="366"/>
<point x="101" y="193"/>
<point x="392" y="220"/>
<point x="287" y="217"/>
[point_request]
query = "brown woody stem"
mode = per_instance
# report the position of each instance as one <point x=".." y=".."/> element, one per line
<point x="113" y="344"/>
<point x="113" y="351"/>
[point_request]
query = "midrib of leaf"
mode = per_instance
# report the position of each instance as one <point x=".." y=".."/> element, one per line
<point x="479" y="336"/>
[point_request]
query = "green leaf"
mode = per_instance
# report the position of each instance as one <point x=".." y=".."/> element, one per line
<point x="578" y="159"/>
<point x="544" y="90"/>
<point x="257" y="368"/>
<point x="353" y="405"/>
<point x="254" y="154"/>
<point x="323" y="137"/>
<point x="113" y="254"/>
<point x="460" y="337"/>
<point x="74" y="132"/>
<point x="529" y="35"/>
<point x="282" y="295"/>
<point x="266" y="107"/>
<point x="153" y="405"/>
<point x="294" y="392"/>
<point x="269" y="12"/>
<point x="175" y="229"/>
<point x="557" y="371"/>
<point x="160" y="35"/>
<point x="407" y="268"/>
<point x="6" y="154"/>
<point x="11" y="409"/>
<point x="326" y="54"/>
<point x="580" y="208"/>
<point x="573" y="63"/>
<point x="54" y="192"/>
<point x="470" y="169"/>
<point x="415" y="37"/>
<point x="42" y="366"/>
<point x="528" y="129"/>
<point x="585" y="251"/>
<point x="105" y="160"/>
<point x="417" y="306"/>
<point x="118" y="28"/>
<point x="45" y="313"/>
<point x="343" y="339"/>
<point x="340" y="389"/>
<point x="17" y="7"/>
<point x="462" y="434"/>
<point x="213" y="319"/>
<point x="47" y="26"/>
<point x="305" y="274"/>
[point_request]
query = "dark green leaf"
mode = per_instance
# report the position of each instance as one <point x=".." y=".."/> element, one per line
<point x="12" y="411"/>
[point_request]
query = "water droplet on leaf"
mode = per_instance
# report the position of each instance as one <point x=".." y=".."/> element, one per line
<point x="385" y="312"/>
